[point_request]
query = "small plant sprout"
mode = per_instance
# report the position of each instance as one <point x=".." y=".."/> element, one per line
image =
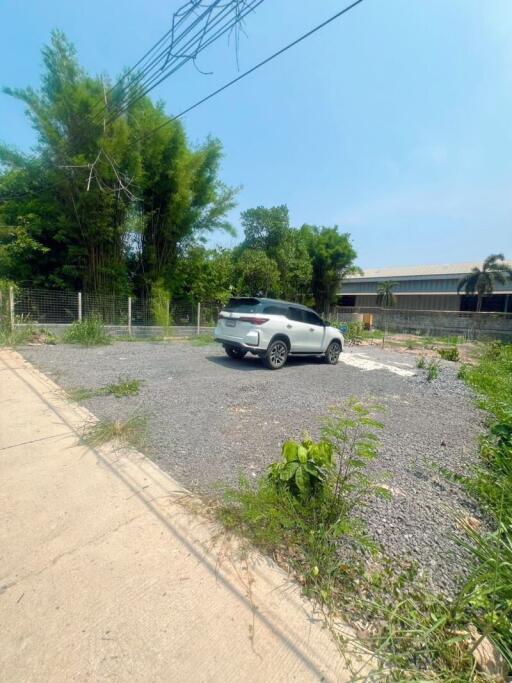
<point x="421" y="363"/>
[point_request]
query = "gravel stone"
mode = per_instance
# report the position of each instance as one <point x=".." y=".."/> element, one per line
<point x="212" y="418"/>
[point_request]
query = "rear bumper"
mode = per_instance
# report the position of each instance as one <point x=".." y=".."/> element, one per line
<point x="238" y="345"/>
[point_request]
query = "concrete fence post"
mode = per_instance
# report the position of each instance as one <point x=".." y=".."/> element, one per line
<point x="79" y="306"/>
<point x="199" y="318"/>
<point x="130" y="316"/>
<point x="11" y="306"/>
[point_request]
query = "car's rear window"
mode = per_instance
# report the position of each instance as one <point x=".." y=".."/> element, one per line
<point x="272" y="309"/>
<point x="245" y="305"/>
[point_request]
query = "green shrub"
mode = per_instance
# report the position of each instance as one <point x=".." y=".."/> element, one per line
<point x="304" y="468"/>
<point x="410" y="344"/>
<point x="87" y="332"/>
<point x="450" y="353"/>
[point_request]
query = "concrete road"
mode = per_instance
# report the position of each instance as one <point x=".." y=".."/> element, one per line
<point x="106" y="573"/>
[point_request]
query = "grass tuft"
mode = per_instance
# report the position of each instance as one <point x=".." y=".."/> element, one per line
<point x="130" y="432"/>
<point x="88" y="332"/>
<point x="124" y="387"/>
<point x="202" y="340"/>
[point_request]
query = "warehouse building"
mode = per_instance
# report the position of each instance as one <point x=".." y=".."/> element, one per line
<point x="422" y="288"/>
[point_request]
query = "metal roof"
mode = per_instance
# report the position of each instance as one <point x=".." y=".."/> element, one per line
<point x="447" y="269"/>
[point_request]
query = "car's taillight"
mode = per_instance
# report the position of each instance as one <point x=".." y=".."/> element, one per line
<point x="253" y="321"/>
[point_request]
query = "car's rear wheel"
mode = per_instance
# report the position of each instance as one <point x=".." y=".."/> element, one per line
<point x="333" y="352"/>
<point x="276" y="355"/>
<point x="234" y="352"/>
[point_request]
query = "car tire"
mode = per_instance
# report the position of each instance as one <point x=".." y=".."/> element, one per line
<point x="333" y="352"/>
<point x="234" y="352"/>
<point x="276" y="355"/>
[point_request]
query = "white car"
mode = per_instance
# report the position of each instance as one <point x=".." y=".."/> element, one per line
<point x="274" y="330"/>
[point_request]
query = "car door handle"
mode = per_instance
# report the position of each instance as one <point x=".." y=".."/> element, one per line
<point x="289" y="327"/>
<point x="311" y="329"/>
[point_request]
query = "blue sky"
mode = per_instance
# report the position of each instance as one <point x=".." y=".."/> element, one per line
<point x="394" y="123"/>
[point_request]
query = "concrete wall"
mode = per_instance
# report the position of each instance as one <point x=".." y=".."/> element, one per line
<point x="416" y="302"/>
<point x="138" y="331"/>
<point x="437" y="323"/>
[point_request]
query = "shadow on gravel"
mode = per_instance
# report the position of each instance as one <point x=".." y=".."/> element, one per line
<point x="252" y="363"/>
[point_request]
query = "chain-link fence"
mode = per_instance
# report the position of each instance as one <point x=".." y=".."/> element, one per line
<point x="55" y="310"/>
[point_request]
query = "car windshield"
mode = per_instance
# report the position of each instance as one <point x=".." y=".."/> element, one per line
<point x="243" y="305"/>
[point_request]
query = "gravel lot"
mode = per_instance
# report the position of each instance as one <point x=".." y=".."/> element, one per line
<point x="211" y="418"/>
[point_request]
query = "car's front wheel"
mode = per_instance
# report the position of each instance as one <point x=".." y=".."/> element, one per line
<point x="333" y="352"/>
<point x="276" y="355"/>
<point x="234" y="352"/>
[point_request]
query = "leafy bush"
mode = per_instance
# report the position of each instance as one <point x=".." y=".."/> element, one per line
<point x="304" y="468"/>
<point x="88" y="332"/>
<point x="450" y="353"/>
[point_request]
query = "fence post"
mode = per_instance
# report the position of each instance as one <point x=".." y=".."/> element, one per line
<point x="11" y="306"/>
<point x="79" y="306"/>
<point x="199" y="317"/>
<point x="130" y="316"/>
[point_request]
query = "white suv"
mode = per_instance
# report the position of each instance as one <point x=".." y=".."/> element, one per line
<point x="275" y="329"/>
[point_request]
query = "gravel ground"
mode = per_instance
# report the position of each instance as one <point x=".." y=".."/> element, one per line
<point x="211" y="418"/>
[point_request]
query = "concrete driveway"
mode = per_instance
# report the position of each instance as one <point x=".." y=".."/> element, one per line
<point x="106" y="573"/>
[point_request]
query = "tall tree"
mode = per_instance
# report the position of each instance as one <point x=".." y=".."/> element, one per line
<point x="90" y="176"/>
<point x="332" y="257"/>
<point x="482" y="281"/>
<point x="181" y="195"/>
<point x="66" y="186"/>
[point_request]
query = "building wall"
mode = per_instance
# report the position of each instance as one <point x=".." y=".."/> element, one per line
<point x="416" y="302"/>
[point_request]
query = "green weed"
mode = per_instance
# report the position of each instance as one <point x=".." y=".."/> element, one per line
<point x="88" y="332"/>
<point x="124" y="387"/>
<point x="449" y="353"/>
<point x="421" y="363"/>
<point x="433" y="369"/>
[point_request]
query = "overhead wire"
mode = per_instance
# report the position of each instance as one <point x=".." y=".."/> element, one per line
<point x="155" y="78"/>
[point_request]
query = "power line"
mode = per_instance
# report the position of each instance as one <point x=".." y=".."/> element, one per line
<point x="245" y="74"/>
<point x="251" y="70"/>
<point x="153" y="63"/>
<point x="156" y="77"/>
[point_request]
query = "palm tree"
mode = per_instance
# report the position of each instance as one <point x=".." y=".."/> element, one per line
<point x="386" y="299"/>
<point x="385" y="296"/>
<point x="483" y="281"/>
